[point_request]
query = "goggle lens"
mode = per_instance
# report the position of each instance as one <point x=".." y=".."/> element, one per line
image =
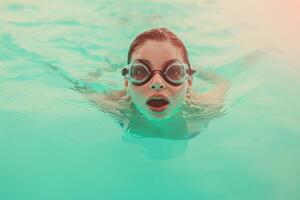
<point x="175" y="72"/>
<point x="139" y="73"/>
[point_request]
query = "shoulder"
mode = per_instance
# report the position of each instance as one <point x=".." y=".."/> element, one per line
<point x="116" y="94"/>
<point x="206" y="99"/>
<point x="107" y="100"/>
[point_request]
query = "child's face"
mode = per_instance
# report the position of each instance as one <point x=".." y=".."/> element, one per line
<point x="157" y="53"/>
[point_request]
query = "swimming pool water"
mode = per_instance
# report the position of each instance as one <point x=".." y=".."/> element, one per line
<point x="54" y="144"/>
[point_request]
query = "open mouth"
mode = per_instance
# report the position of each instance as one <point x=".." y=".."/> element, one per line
<point x="158" y="105"/>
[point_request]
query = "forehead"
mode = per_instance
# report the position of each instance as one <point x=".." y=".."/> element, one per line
<point x="157" y="52"/>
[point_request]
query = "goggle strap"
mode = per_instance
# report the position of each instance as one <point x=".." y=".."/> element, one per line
<point x="191" y="71"/>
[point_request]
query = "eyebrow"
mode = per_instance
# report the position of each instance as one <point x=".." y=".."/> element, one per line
<point x="148" y="63"/>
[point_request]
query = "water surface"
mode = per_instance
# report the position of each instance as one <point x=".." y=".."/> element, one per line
<point x="54" y="144"/>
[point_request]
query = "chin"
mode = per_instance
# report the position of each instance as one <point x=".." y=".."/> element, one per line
<point x="159" y="116"/>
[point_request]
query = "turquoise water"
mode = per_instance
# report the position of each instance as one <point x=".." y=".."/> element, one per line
<point x="55" y="144"/>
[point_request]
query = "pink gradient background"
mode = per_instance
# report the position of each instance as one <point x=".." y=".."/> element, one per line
<point x="277" y="22"/>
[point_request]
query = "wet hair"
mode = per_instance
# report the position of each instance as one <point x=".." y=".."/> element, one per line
<point x="158" y="34"/>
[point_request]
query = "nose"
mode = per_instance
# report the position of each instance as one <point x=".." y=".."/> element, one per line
<point x="157" y="83"/>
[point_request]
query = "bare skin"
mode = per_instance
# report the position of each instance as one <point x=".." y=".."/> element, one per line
<point x="214" y="97"/>
<point x="213" y="100"/>
<point x="118" y="104"/>
<point x="157" y="53"/>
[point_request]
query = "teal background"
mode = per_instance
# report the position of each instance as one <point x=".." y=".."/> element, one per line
<point x="54" y="144"/>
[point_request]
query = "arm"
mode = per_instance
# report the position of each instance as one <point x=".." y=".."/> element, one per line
<point x="98" y="93"/>
<point x="215" y="96"/>
<point x="87" y="85"/>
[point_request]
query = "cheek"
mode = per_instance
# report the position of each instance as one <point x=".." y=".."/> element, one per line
<point x="137" y="91"/>
<point x="178" y="94"/>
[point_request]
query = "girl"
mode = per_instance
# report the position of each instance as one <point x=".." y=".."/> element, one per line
<point x="157" y="99"/>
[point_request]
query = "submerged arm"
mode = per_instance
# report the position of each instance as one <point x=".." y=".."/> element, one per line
<point x="84" y="86"/>
<point x="101" y="95"/>
<point x="220" y="85"/>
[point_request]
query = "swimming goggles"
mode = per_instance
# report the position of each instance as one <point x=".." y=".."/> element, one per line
<point x="139" y="73"/>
